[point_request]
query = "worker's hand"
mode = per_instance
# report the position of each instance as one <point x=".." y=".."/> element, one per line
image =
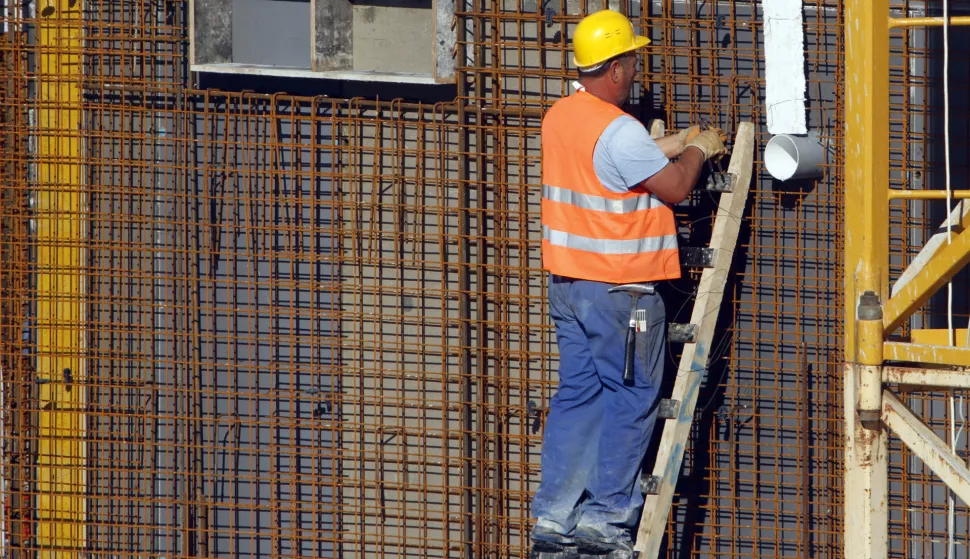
<point x="710" y="143"/>
<point x="720" y="133"/>
<point x="687" y="135"/>
<point x="675" y="144"/>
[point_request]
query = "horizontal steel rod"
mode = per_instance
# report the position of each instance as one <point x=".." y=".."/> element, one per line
<point x="944" y="378"/>
<point x="895" y="22"/>
<point x="927" y="194"/>
<point x="929" y="354"/>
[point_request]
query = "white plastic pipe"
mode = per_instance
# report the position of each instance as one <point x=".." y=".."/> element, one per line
<point x="795" y="157"/>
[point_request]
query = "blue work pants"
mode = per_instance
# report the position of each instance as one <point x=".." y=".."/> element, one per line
<point x="598" y="428"/>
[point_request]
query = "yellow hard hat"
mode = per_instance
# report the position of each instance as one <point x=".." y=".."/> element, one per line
<point x="601" y="36"/>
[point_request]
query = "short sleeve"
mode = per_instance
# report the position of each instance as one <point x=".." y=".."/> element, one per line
<point x="626" y="155"/>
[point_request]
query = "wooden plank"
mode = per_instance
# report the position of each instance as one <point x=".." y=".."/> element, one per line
<point x="694" y="359"/>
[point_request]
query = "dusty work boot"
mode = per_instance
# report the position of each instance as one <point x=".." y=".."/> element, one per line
<point x="547" y="550"/>
<point x="548" y="544"/>
<point x="591" y="544"/>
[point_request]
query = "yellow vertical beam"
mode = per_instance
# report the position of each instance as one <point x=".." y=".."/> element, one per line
<point x="60" y="487"/>
<point x="866" y="164"/>
<point x="866" y="279"/>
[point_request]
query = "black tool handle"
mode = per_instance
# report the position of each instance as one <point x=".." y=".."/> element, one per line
<point x="631" y="340"/>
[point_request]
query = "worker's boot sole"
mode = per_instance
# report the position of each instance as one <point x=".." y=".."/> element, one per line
<point x="546" y="550"/>
<point x="614" y="554"/>
<point x="595" y="550"/>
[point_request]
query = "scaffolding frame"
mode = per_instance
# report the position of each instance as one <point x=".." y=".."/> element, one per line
<point x="60" y="501"/>
<point x="873" y="311"/>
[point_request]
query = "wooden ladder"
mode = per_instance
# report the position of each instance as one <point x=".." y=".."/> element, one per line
<point x="678" y="410"/>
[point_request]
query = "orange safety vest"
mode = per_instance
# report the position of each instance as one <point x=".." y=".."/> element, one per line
<point x="588" y="231"/>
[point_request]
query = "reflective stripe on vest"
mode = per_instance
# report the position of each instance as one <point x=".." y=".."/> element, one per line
<point x="600" y="203"/>
<point x="607" y="246"/>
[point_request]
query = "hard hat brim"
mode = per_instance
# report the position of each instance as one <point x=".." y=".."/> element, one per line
<point x="639" y="41"/>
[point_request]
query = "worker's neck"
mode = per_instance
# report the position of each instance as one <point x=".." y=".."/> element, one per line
<point x="600" y="89"/>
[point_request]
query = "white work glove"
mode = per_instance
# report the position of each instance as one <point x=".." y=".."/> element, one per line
<point x="710" y="142"/>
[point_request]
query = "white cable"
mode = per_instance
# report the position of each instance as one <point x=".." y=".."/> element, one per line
<point x="951" y="338"/>
<point x="946" y="159"/>
<point x="950" y="520"/>
<point x="954" y="442"/>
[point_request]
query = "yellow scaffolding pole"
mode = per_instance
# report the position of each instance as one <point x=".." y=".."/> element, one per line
<point x="866" y="275"/>
<point x="869" y="313"/>
<point x="60" y="474"/>
<point x="928" y="194"/>
<point x="926" y="21"/>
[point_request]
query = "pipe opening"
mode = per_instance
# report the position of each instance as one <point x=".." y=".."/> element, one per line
<point x="794" y="157"/>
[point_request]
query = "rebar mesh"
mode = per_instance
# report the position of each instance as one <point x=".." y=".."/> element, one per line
<point x="317" y="326"/>
<point x="918" y="498"/>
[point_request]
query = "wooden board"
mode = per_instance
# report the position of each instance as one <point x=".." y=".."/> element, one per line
<point x="694" y="359"/>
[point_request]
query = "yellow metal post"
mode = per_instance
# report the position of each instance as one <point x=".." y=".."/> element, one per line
<point x="866" y="266"/>
<point x="60" y="203"/>
<point x="866" y="165"/>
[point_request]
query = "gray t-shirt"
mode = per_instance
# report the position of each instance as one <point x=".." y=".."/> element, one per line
<point x="625" y="155"/>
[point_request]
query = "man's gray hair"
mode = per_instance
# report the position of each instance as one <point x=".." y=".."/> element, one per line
<point x="595" y="68"/>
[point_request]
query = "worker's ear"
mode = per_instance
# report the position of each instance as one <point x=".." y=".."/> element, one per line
<point x="616" y="70"/>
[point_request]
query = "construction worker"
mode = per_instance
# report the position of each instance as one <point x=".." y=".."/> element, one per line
<point x="605" y="221"/>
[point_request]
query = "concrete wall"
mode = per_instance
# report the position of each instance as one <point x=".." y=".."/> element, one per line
<point x="393" y="37"/>
<point x="414" y="37"/>
<point x="271" y="32"/>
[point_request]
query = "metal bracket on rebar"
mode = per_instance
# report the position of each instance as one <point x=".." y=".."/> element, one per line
<point x="668" y="408"/>
<point x="649" y="485"/>
<point x="681" y="333"/>
<point x="698" y="257"/>
<point x="659" y="487"/>
<point x="719" y="182"/>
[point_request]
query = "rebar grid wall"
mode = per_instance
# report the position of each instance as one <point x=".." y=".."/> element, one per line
<point x="317" y="327"/>
<point x="918" y="500"/>
<point x="762" y="477"/>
